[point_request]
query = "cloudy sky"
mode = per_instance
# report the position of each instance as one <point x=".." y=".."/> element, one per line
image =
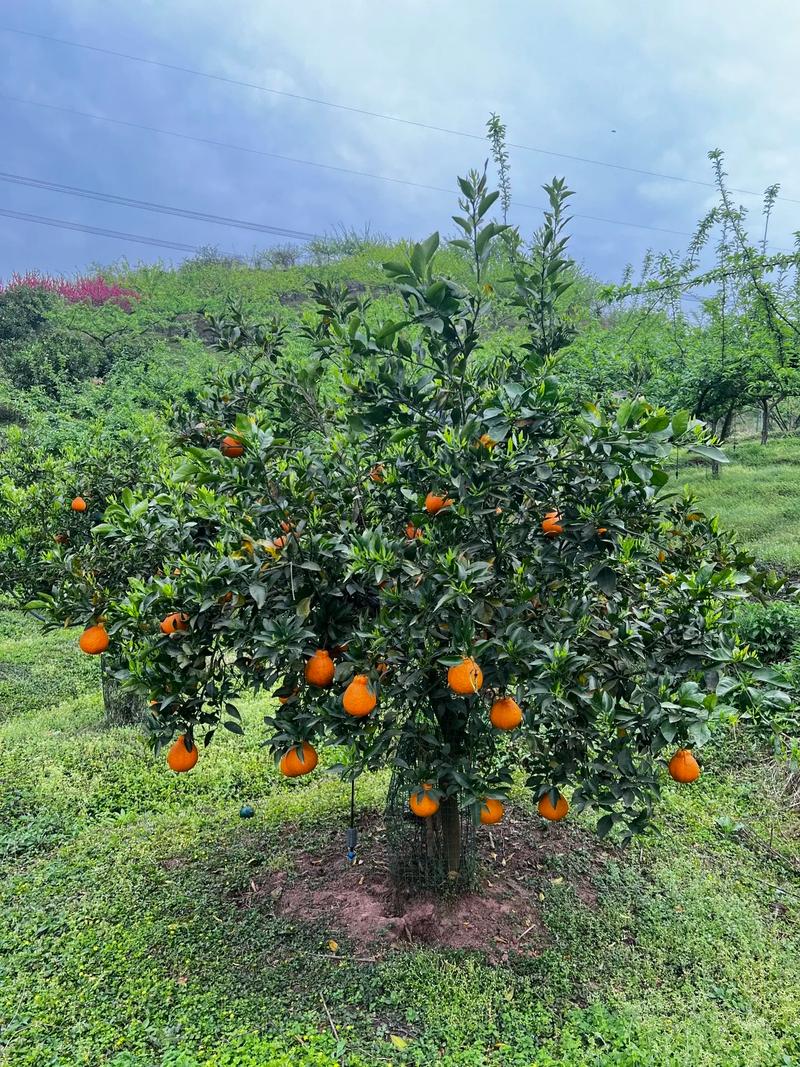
<point x="648" y="87"/>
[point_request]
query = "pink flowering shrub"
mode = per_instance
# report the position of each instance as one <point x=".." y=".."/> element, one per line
<point x="95" y="290"/>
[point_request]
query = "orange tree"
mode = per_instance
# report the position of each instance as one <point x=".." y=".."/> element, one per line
<point x="50" y="500"/>
<point x="441" y="567"/>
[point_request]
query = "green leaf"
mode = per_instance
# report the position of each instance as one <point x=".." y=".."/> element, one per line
<point x="709" y="452"/>
<point x="258" y="593"/>
<point x="680" y="423"/>
<point x="607" y="580"/>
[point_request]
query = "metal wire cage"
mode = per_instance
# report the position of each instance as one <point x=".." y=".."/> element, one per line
<point x="438" y="853"/>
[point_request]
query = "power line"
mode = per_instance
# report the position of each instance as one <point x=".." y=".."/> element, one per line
<point x="228" y="146"/>
<point x="373" y="114"/>
<point x="148" y="205"/>
<point x="64" y="224"/>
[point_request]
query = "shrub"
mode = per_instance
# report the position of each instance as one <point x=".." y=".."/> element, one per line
<point x="770" y="629"/>
<point x="93" y="290"/>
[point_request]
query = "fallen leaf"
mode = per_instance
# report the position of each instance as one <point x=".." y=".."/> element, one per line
<point x="333" y="946"/>
<point x="398" y="1042"/>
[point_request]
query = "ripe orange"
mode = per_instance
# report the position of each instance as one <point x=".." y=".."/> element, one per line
<point x="492" y="811"/>
<point x="175" y="622"/>
<point x="434" y="503"/>
<point x="78" y="504"/>
<point x="466" y="677"/>
<point x="602" y="530"/>
<point x="413" y="532"/>
<point x="180" y="758"/>
<point x="548" y="811"/>
<point x="358" y="699"/>
<point x="93" y="640"/>
<point x="422" y="803"/>
<point x="487" y="441"/>
<point x="285" y="700"/>
<point x="506" y="714"/>
<point x="231" y="447"/>
<point x="551" y="524"/>
<point x="376" y="474"/>
<point x="300" y="759"/>
<point x="320" y="669"/>
<point x="684" y="767"/>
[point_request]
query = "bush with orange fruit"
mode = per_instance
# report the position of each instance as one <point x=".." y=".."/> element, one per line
<point x="446" y="609"/>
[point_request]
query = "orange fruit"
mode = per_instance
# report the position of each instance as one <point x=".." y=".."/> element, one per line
<point x="492" y="811"/>
<point x="78" y="504"/>
<point x="300" y="759"/>
<point x="180" y="758"/>
<point x="551" y="524"/>
<point x="548" y="811"/>
<point x="684" y="767"/>
<point x="434" y="503"/>
<point x="376" y="474"/>
<point x="320" y="669"/>
<point x="93" y="640"/>
<point x="487" y="441"/>
<point x="413" y="532"/>
<point x="602" y="530"/>
<point x="421" y="803"/>
<point x="506" y="714"/>
<point x="175" y="622"/>
<point x="358" y="699"/>
<point x="466" y="677"/>
<point x="231" y="447"/>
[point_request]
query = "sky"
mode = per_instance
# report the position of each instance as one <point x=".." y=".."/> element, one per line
<point x="650" y="87"/>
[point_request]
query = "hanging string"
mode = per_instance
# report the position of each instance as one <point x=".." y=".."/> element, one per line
<point x="352" y="832"/>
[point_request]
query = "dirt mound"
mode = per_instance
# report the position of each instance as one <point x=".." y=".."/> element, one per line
<point x="520" y="861"/>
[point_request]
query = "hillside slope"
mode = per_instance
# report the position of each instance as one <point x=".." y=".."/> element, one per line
<point x="758" y="495"/>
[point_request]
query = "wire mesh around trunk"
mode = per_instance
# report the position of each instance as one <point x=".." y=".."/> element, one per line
<point x="423" y="851"/>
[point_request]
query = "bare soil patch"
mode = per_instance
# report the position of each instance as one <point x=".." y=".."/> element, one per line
<point x="520" y="862"/>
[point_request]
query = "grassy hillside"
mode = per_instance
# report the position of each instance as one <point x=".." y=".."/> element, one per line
<point x="758" y="495"/>
<point x="138" y="900"/>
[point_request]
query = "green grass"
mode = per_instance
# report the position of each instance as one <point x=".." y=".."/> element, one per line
<point x="122" y="942"/>
<point x="758" y="496"/>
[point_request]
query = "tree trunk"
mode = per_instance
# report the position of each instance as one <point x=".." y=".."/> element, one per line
<point x="714" y="468"/>
<point x="121" y="708"/>
<point x="451" y="837"/>
<point x="764" y="421"/>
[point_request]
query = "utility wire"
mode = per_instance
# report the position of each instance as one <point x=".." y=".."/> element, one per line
<point x="148" y="205"/>
<point x="228" y="146"/>
<point x="372" y="114"/>
<point x="64" y="224"/>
